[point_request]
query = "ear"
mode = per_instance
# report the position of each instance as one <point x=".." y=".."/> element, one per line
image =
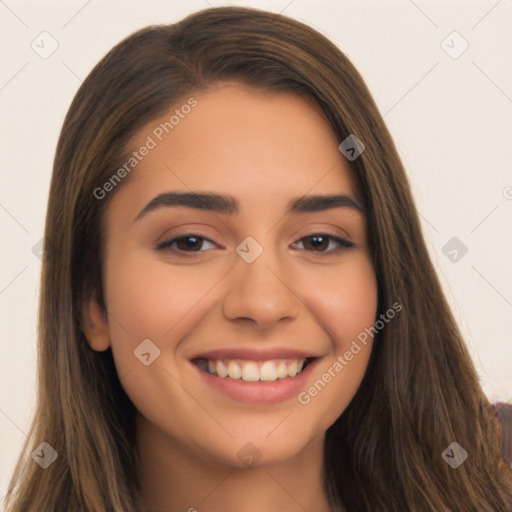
<point x="94" y="325"/>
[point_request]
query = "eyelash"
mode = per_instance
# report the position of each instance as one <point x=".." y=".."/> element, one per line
<point x="166" y="244"/>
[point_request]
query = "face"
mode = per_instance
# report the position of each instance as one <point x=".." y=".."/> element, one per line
<point x="251" y="282"/>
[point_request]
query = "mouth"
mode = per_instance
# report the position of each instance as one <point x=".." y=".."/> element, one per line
<point x="254" y="371"/>
<point x="258" y="381"/>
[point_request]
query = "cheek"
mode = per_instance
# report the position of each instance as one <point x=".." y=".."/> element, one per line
<point x="152" y="300"/>
<point x="345" y="303"/>
<point x="344" y="300"/>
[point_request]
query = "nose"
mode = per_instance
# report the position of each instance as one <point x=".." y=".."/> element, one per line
<point x="260" y="293"/>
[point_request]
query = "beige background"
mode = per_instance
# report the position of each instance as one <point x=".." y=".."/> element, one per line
<point x="451" y="119"/>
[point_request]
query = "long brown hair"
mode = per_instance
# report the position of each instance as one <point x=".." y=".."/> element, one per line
<point x="420" y="392"/>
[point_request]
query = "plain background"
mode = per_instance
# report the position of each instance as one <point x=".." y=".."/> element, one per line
<point x="451" y="119"/>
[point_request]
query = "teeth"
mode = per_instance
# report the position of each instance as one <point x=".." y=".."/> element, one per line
<point x="292" y="369"/>
<point x="268" y="371"/>
<point x="252" y="371"/>
<point x="234" y="371"/>
<point x="282" y="371"/>
<point x="222" y="371"/>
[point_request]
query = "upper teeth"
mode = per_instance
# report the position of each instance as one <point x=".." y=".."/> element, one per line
<point x="252" y="371"/>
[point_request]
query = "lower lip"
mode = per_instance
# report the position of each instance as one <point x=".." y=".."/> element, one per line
<point x="259" y="392"/>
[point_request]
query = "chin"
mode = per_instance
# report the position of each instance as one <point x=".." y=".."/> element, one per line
<point x="257" y="450"/>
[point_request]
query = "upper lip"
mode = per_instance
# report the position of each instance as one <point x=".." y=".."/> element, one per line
<point x="254" y="354"/>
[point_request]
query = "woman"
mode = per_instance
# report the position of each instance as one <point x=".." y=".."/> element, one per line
<point x="201" y="346"/>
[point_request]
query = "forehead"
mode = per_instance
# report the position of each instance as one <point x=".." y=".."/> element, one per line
<point x="253" y="144"/>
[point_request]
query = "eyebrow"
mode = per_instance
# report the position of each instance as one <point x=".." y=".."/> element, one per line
<point x="229" y="205"/>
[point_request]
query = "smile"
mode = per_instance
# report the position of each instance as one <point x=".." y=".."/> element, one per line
<point x="257" y="381"/>
<point x="253" y="371"/>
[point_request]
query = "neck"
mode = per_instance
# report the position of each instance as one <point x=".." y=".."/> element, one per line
<point x="175" y="478"/>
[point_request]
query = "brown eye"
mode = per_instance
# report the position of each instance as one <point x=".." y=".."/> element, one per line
<point x="185" y="243"/>
<point x="319" y="242"/>
<point x="189" y="242"/>
<point x="316" y="242"/>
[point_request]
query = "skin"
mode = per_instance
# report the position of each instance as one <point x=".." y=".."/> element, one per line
<point x="264" y="149"/>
